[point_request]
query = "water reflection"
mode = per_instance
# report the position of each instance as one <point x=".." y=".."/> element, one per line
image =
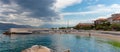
<point x="16" y="43"/>
<point x="59" y="43"/>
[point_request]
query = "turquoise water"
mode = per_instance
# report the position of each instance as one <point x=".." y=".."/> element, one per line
<point x="57" y="42"/>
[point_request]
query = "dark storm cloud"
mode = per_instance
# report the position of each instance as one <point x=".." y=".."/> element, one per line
<point x="6" y="1"/>
<point x="40" y="9"/>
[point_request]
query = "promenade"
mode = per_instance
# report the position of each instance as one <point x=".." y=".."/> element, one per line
<point x="113" y="35"/>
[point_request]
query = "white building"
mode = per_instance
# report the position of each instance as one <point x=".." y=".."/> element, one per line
<point x="115" y="18"/>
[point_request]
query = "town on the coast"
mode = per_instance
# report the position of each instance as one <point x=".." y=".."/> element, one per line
<point x="106" y="24"/>
<point x="102" y="27"/>
<point x="59" y="25"/>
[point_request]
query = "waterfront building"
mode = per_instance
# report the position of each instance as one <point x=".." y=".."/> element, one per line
<point x="115" y="18"/>
<point x="100" y="21"/>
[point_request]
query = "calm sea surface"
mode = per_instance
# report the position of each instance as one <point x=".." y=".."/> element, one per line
<point x="57" y="42"/>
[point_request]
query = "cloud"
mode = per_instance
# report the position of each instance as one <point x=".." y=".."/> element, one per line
<point x="94" y="12"/>
<point x="79" y="13"/>
<point x="33" y="12"/>
<point x="40" y="9"/>
<point x="20" y="19"/>
<point x="25" y="11"/>
<point x="114" y="8"/>
<point x="97" y="9"/>
<point x="91" y="2"/>
<point x="60" y="4"/>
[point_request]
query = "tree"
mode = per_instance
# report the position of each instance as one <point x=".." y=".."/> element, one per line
<point x="103" y="26"/>
<point x="77" y="27"/>
<point x="115" y="26"/>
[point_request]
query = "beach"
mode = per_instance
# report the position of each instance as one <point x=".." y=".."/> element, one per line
<point x="113" y="35"/>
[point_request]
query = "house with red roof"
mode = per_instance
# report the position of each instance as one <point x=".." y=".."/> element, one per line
<point x="115" y="18"/>
<point x="100" y="21"/>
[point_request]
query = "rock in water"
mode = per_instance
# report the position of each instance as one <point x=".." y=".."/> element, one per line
<point x="37" y="48"/>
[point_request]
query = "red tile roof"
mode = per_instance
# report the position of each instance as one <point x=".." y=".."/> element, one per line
<point x="84" y="24"/>
<point x="101" y="19"/>
<point x="117" y="18"/>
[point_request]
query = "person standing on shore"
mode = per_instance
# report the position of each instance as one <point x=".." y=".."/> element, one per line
<point x="89" y="34"/>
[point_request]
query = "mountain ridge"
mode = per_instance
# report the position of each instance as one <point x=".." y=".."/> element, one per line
<point x="6" y="26"/>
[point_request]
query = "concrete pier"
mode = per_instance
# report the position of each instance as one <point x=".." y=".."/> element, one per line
<point x="27" y="30"/>
<point x="38" y="31"/>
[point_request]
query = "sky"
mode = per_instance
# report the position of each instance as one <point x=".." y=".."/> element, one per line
<point x="56" y="12"/>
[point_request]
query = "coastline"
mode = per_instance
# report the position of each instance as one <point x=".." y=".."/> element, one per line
<point x="113" y="35"/>
<point x="100" y="34"/>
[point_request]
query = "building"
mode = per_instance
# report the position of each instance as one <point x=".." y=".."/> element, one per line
<point x="115" y="18"/>
<point x="85" y="24"/>
<point x="100" y="21"/>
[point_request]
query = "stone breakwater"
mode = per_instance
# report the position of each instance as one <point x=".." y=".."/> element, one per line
<point x="37" y="48"/>
<point x="38" y="31"/>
